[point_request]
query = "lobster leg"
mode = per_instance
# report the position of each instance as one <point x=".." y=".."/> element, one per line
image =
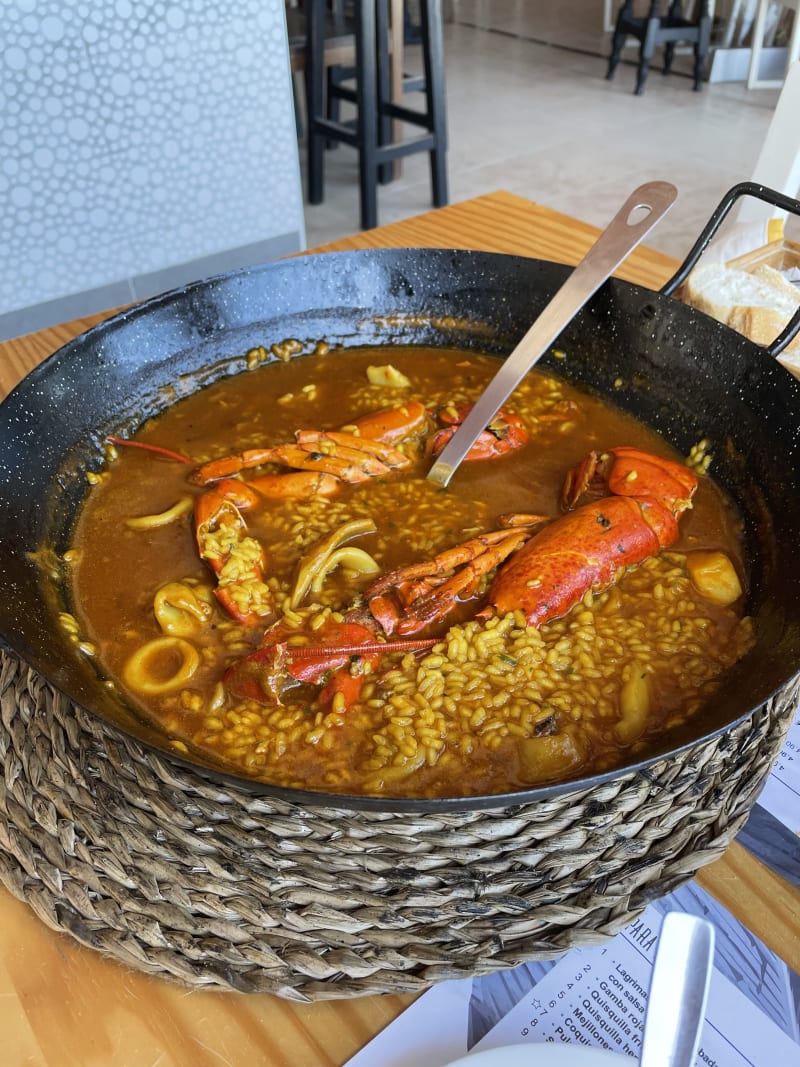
<point x="295" y="485"/>
<point x="350" y="465"/>
<point x="405" y="601"/>
<point x="364" y="449"/>
<point x="227" y="466"/>
<point x="336" y="443"/>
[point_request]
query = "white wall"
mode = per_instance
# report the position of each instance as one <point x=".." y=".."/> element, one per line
<point x="143" y="144"/>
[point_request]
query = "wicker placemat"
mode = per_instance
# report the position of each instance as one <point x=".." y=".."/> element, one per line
<point x="170" y="873"/>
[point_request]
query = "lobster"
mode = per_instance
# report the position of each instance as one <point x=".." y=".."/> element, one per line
<point x="542" y="566"/>
<point x="592" y="545"/>
<point x="365" y="448"/>
<point x="542" y="572"/>
<point x="323" y="461"/>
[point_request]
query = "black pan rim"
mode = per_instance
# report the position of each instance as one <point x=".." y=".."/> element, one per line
<point x="128" y="318"/>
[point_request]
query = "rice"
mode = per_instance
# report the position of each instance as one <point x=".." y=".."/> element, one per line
<point x="486" y="688"/>
<point x="487" y="708"/>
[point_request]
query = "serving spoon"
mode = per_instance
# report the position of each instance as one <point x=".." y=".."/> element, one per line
<point x="646" y="206"/>
<point x="676" y="1002"/>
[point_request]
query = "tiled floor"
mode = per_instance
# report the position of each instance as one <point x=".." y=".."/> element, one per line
<point x="529" y="110"/>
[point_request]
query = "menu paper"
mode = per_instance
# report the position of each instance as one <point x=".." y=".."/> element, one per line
<point x="598" y="996"/>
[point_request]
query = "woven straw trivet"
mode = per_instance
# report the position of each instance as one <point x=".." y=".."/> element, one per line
<point x="173" y="874"/>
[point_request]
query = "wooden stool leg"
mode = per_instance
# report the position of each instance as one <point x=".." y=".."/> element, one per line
<point x="375" y="109"/>
<point x="433" y="52"/>
<point x="384" y="83"/>
<point x="367" y="104"/>
<point x="315" y="72"/>
<point x="669" y="55"/>
<point x="701" y="48"/>
<point x="645" y="55"/>
<point x="334" y="76"/>
<point x="618" y="40"/>
<point x="675" y="10"/>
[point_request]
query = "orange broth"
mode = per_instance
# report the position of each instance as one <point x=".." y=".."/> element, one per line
<point x="507" y="707"/>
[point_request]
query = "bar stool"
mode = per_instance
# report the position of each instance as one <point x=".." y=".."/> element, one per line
<point x="655" y="29"/>
<point x="339" y="53"/>
<point x="371" y="133"/>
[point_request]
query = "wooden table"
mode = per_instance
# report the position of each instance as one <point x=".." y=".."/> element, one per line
<point x="63" y="1005"/>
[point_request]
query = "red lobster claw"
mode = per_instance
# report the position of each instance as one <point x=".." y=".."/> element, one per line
<point x="339" y="655"/>
<point x="504" y="433"/>
<point x="590" y="547"/>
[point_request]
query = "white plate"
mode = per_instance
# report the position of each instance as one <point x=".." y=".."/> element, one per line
<point x="542" y="1054"/>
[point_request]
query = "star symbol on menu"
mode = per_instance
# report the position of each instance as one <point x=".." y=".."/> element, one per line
<point x="537" y="1004"/>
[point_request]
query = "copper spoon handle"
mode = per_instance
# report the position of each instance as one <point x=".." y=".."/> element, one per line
<point x="621" y="236"/>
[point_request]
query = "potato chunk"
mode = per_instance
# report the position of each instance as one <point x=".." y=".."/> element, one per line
<point x="541" y="759"/>
<point x="634" y="703"/>
<point x="387" y="375"/>
<point x="714" y="577"/>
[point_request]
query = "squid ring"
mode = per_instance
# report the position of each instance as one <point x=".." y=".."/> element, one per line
<point x="140" y="671"/>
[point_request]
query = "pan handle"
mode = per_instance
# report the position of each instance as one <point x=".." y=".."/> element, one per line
<point x="769" y="196"/>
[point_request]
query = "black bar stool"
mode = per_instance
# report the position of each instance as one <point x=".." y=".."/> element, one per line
<point x="371" y="133"/>
<point x="653" y="29"/>
<point x="338" y="56"/>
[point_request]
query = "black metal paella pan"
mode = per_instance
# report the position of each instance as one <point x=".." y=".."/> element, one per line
<point x="680" y="372"/>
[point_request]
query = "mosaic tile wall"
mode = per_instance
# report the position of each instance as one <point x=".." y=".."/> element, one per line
<point x="142" y="142"/>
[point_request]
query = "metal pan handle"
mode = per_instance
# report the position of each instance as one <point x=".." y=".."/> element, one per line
<point x="769" y="196"/>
